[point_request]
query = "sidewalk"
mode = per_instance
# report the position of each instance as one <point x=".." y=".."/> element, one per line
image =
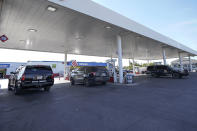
<point x="60" y="80"/>
<point x="3" y="83"/>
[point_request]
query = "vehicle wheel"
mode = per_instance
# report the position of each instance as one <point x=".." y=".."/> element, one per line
<point x="155" y="75"/>
<point x="104" y="83"/>
<point x="9" y="88"/>
<point x="17" y="89"/>
<point x="47" y="88"/>
<point x="176" y="75"/>
<point x="86" y="82"/>
<point x="72" y="82"/>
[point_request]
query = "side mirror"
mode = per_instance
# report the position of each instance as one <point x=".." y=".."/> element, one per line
<point x="12" y="73"/>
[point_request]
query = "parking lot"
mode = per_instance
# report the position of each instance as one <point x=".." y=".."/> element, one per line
<point x="155" y="104"/>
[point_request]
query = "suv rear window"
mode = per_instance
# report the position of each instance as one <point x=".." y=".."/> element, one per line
<point x="38" y="69"/>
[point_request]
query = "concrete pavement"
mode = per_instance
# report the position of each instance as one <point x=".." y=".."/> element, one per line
<point x="157" y="104"/>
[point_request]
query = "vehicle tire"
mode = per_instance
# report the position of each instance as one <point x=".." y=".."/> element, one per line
<point x="17" y="89"/>
<point x="104" y="83"/>
<point x="87" y="83"/>
<point x="155" y="75"/>
<point x="47" y="88"/>
<point x="72" y="82"/>
<point x="176" y="75"/>
<point x="180" y="76"/>
<point x="9" y="88"/>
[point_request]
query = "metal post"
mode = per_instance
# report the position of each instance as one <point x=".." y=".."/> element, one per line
<point x="65" y="66"/>
<point x="119" y="44"/>
<point x="114" y="72"/>
<point x="148" y="61"/>
<point x="133" y="66"/>
<point x="180" y="61"/>
<point x="164" y="56"/>
<point x="190" y="64"/>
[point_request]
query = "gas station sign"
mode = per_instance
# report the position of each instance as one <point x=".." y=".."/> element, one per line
<point x="71" y="63"/>
<point x="4" y="66"/>
<point x="3" y="38"/>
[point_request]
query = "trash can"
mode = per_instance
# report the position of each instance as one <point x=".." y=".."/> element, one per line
<point x="129" y="78"/>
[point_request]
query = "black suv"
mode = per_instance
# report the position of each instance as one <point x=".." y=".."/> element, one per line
<point x="163" y="70"/>
<point x="89" y="76"/>
<point x="31" y="76"/>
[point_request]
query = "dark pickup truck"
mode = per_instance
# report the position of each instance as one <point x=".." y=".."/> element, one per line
<point x="163" y="70"/>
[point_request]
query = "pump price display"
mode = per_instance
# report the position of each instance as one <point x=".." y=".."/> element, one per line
<point x="3" y="38"/>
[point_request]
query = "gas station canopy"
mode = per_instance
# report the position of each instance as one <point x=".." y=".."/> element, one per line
<point x="80" y="27"/>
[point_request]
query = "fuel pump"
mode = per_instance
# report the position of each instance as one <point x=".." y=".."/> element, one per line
<point x="112" y="70"/>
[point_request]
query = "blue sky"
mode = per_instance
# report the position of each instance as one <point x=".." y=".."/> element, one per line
<point x="176" y="19"/>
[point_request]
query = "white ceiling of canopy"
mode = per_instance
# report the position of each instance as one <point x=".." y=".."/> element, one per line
<point x="79" y="27"/>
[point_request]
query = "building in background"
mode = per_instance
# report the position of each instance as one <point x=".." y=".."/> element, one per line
<point x="7" y="67"/>
<point x="57" y="66"/>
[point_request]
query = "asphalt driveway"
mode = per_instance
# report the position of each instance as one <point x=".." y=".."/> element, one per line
<point x="156" y="104"/>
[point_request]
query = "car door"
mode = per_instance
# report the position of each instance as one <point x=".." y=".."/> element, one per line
<point x="165" y="71"/>
<point x="11" y="80"/>
<point x="160" y="70"/>
<point x="170" y="71"/>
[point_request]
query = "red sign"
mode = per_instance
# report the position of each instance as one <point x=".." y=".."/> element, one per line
<point x="74" y="63"/>
<point x="3" y="38"/>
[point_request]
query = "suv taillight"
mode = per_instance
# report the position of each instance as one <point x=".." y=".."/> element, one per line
<point x="53" y="76"/>
<point x="23" y="77"/>
<point x="93" y="73"/>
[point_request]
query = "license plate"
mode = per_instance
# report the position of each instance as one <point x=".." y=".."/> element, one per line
<point x="39" y="77"/>
<point x="103" y="74"/>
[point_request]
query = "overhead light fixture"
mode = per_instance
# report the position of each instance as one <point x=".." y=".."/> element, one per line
<point x="22" y="41"/>
<point x="108" y="27"/>
<point x="32" y="30"/>
<point x="51" y="8"/>
<point x="138" y="37"/>
<point x="79" y="37"/>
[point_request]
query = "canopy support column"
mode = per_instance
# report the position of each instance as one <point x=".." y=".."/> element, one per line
<point x="190" y="64"/>
<point x="164" y="56"/>
<point x="114" y="70"/>
<point x="180" y="61"/>
<point x="119" y="45"/>
<point x="133" y="66"/>
<point x="65" y="66"/>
